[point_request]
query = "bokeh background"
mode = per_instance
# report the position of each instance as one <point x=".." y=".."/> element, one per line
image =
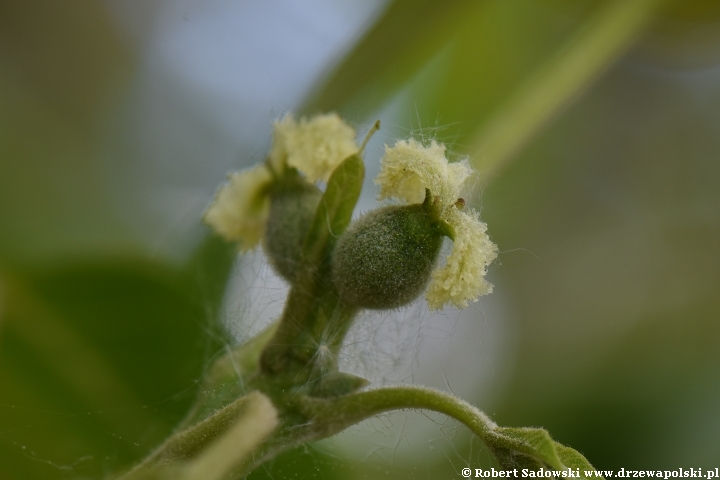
<point x="595" y="126"/>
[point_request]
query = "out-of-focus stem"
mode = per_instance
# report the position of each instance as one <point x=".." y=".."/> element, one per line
<point x="232" y="450"/>
<point x="575" y="66"/>
<point x="214" y="447"/>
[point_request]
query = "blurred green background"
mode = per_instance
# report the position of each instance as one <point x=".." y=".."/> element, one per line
<point x="596" y="129"/>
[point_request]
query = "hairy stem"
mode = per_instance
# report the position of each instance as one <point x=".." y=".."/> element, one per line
<point x="312" y="301"/>
<point x="350" y="409"/>
<point x="513" y="447"/>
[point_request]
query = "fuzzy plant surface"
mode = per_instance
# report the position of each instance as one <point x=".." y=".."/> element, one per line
<point x="283" y="388"/>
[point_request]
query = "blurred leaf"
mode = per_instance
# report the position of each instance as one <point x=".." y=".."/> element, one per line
<point x="508" y="67"/>
<point x="684" y="27"/>
<point x="407" y="36"/>
<point x="583" y="57"/>
<point x="206" y="274"/>
<point x="60" y="64"/>
<point x="615" y="210"/>
<point x="101" y="359"/>
<point x="67" y="53"/>
<point x="306" y="461"/>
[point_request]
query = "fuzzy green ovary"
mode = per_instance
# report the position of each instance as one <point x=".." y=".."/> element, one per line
<point x="384" y="260"/>
<point x="291" y="214"/>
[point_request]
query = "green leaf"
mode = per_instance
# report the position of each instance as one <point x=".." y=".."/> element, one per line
<point x="303" y="462"/>
<point x="509" y="459"/>
<point x="533" y="442"/>
<point x="534" y="448"/>
<point x="586" y="54"/>
<point x="336" y="384"/>
<point x="227" y="378"/>
<point x="98" y="361"/>
<point x="402" y="41"/>
<point x="207" y="271"/>
<point x="334" y="210"/>
<point x="573" y="459"/>
<point x="489" y="75"/>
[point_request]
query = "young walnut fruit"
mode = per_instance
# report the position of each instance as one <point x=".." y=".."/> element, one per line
<point x="384" y="260"/>
<point x="292" y="209"/>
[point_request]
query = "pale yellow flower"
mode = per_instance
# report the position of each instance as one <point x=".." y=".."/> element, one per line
<point x="407" y="169"/>
<point x="315" y="146"/>
<point x="240" y="209"/>
<point x="462" y="278"/>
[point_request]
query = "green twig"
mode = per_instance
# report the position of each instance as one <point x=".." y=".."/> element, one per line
<point x="348" y="410"/>
<point x="513" y="447"/>
<point x="312" y="301"/>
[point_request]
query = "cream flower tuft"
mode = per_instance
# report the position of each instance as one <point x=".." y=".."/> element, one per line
<point x="462" y="278"/>
<point x="240" y="209"/>
<point x="314" y="146"/>
<point x="407" y="169"/>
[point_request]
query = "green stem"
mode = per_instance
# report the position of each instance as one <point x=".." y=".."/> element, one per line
<point x="312" y="302"/>
<point x="513" y="447"/>
<point x="348" y="410"/>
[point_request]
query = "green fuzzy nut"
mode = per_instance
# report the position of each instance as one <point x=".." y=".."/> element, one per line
<point x="292" y="209"/>
<point x="384" y="260"/>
